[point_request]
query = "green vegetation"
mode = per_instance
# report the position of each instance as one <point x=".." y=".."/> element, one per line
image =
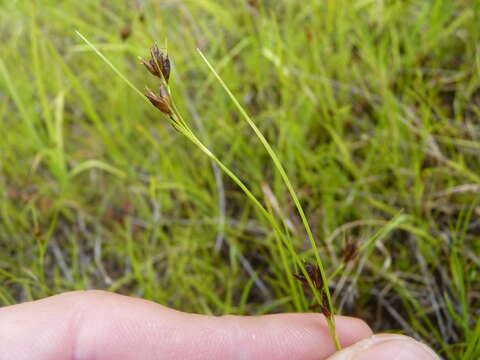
<point x="372" y="108"/>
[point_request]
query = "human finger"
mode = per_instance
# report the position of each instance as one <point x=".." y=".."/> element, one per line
<point x="101" y="325"/>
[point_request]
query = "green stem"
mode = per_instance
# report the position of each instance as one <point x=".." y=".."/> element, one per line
<point x="186" y="131"/>
<point x="286" y="180"/>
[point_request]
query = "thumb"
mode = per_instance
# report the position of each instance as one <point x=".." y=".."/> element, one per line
<point x="386" y="347"/>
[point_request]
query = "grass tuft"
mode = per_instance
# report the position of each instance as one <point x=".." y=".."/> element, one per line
<point x="371" y="108"/>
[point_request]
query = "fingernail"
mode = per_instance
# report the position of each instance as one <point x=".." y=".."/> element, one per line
<point x="396" y="347"/>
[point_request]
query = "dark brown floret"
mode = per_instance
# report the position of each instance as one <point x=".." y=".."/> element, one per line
<point x="350" y="251"/>
<point x="158" y="64"/>
<point x="324" y="306"/>
<point x="126" y="32"/>
<point x="314" y="274"/>
<point x="162" y="101"/>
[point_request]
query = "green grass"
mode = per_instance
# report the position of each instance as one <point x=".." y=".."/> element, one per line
<point x="371" y="108"/>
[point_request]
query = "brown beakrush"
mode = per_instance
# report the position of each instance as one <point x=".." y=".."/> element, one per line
<point x="162" y="101"/>
<point x="350" y="251"/>
<point x="315" y="275"/>
<point x="158" y="64"/>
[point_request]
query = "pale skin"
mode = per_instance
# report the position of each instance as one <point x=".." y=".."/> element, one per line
<point x="97" y="325"/>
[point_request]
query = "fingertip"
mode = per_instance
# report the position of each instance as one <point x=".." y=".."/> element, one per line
<point x="351" y="330"/>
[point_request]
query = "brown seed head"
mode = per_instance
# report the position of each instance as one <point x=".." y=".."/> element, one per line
<point x="350" y="251"/>
<point x="162" y="101"/>
<point x="314" y="274"/>
<point x="158" y="64"/>
<point x="126" y="32"/>
<point x="324" y="306"/>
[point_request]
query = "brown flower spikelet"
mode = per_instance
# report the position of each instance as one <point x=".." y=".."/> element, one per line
<point x="159" y="63"/>
<point x="162" y="101"/>
<point x="350" y="251"/>
<point x="315" y="275"/>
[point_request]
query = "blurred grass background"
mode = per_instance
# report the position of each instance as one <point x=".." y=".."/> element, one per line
<point x="372" y="107"/>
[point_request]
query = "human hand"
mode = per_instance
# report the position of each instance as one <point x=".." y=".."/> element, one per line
<point x="101" y="325"/>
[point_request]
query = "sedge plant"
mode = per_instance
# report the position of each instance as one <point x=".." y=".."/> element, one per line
<point x="312" y="275"/>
